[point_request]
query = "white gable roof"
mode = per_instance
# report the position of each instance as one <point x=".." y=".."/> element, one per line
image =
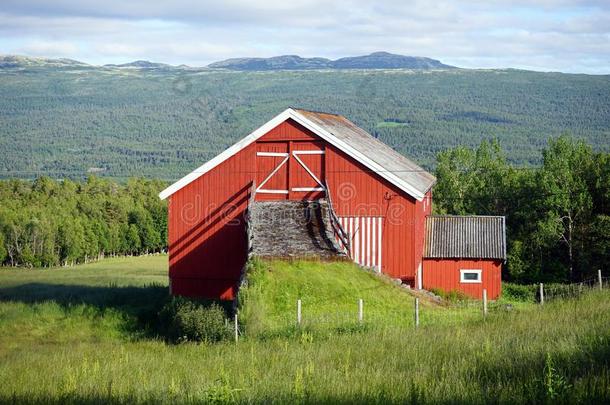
<point x="343" y="134"/>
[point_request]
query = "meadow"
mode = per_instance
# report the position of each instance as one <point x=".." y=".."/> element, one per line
<point x="86" y="335"/>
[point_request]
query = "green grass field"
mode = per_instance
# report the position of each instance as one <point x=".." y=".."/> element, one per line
<point x="86" y="335"/>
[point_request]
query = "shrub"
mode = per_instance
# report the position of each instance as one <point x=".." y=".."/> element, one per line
<point x="451" y="296"/>
<point x="520" y="292"/>
<point x="187" y="320"/>
<point x="438" y="292"/>
<point x="456" y="295"/>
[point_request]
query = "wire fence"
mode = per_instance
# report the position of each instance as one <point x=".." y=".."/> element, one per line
<point x="550" y="292"/>
<point x="314" y="316"/>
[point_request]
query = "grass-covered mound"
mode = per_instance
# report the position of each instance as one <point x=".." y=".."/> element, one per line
<point x="329" y="293"/>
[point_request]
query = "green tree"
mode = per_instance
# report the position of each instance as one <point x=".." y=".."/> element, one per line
<point x="132" y="239"/>
<point x="3" y="254"/>
<point x="565" y="198"/>
<point x="473" y="181"/>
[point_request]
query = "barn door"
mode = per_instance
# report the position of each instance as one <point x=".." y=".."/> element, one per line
<point x="272" y="171"/>
<point x="307" y="170"/>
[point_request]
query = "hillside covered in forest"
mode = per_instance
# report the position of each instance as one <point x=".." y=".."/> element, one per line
<point x="67" y="119"/>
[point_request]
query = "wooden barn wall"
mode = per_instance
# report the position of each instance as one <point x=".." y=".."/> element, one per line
<point x="206" y="218"/>
<point x="357" y="191"/>
<point x="207" y="243"/>
<point x="445" y="274"/>
<point x="289" y="131"/>
<point x="422" y="210"/>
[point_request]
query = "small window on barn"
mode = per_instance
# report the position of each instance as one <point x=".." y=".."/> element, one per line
<point x="470" y="276"/>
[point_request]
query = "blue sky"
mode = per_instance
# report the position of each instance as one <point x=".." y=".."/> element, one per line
<point x="562" y="35"/>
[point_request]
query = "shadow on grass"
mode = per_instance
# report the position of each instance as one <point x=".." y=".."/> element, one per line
<point x="140" y="305"/>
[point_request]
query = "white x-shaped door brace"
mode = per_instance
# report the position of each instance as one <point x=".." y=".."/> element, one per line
<point x="296" y="154"/>
<point x="260" y="188"/>
<point x="286" y="156"/>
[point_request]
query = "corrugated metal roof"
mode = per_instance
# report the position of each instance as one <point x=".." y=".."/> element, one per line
<point x="373" y="148"/>
<point x="465" y="237"/>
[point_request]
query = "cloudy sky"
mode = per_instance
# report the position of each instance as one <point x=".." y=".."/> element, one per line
<point x="558" y="35"/>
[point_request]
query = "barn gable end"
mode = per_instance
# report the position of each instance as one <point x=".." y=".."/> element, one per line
<point x="343" y="134"/>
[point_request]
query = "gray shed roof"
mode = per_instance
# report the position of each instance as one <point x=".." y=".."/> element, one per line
<point x="373" y="148"/>
<point x="465" y="237"/>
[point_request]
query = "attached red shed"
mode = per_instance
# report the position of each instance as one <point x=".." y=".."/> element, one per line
<point x="464" y="253"/>
<point x="380" y="197"/>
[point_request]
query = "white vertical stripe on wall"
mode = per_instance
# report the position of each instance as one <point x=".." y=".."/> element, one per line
<point x="373" y="241"/>
<point x="368" y="242"/>
<point x="379" y="234"/>
<point x="356" y="238"/>
<point x="362" y="242"/>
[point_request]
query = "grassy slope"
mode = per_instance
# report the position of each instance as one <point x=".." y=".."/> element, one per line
<point x="328" y="291"/>
<point x="82" y="349"/>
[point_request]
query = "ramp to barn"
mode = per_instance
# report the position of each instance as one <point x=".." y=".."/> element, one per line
<point x="293" y="229"/>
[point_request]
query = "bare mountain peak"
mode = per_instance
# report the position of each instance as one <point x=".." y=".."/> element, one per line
<point x="376" y="60"/>
<point x="19" y="61"/>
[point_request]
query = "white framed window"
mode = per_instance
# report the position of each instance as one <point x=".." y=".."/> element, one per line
<point x="470" y="276"/>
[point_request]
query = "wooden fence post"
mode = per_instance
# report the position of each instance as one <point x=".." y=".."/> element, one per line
<point x="599" y="276"/>
<point x="236" y="325"/>
<point x="416" y="312"/>
<point x="484" y="302"/>
<point x="541" y="294"/>
<point x="360" y="310"/>
<point x="299" y="312"/>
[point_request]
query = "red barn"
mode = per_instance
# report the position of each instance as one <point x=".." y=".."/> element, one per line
<point x="378" y="202"/>
<point x="464" y="253"/>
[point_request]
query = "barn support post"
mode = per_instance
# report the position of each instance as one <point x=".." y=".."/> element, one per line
<point x="236" y="326"/>
<point x="541" y="294"/>
<point x="484" y="302"/>
<point x="599" y="277"/>
<point x="299" y="312"/>
<point x="360" y="310"/>
<point x="416" y="312"/>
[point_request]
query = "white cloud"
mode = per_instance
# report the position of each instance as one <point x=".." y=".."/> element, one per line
<point x="49" y="48"/>
<point x="568" y="35"/>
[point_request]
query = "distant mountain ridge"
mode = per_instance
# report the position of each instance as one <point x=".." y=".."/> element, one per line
<point x="376" y="60"/>
<point x="10" y="61"/>
<point x="141" y="64"/>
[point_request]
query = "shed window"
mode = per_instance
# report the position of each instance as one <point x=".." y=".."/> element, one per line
<point x="470" y="276"/>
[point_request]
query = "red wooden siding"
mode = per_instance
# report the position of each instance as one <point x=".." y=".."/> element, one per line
<point x="206" y="230"/>
<point x="422" y="210"/>
<point x="206" y="217"/>
<point x="358" y="192"/>
<point x="445" y="274"/>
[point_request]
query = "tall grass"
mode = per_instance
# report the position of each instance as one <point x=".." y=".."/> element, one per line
<point x="82" y="352"/>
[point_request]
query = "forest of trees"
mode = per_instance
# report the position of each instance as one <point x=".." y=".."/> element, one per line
<point x="50" y="223"/>
<point x="557" y="215"/>
<point x="68" y="123"/>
